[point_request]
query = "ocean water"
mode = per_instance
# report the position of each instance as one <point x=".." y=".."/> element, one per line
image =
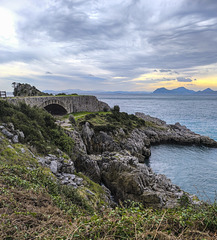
<point x="192" y="168"/>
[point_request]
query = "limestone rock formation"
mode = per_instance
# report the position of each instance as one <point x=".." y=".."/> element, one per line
<point x="114" y="158"/>
<point x="177" y="133"/>
<point x="129" y="180"/>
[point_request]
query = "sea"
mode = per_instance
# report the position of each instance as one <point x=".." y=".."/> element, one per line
<point x="192" y="168"/>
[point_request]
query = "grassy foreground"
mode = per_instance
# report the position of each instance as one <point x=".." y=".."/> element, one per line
<point x="33" y="205"/>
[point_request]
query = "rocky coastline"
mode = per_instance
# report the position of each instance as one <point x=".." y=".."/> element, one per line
<point x="115" y="159"/>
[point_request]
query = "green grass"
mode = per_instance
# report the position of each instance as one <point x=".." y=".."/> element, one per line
<point x="81" y="115"/>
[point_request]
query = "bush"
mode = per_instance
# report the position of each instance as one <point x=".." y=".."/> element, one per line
<point x="90" y="116"/>
<point x="116" y="108"/>
<point x="37" y="125"/>
<point x="72" y="119"/>
<point x="105" y="109"/>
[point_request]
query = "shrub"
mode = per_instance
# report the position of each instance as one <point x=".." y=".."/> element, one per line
<point x="72" y="119"/>
<point x="105" y="109"/>
<point x="116" y="108"/>
<point x="90" y="116"/>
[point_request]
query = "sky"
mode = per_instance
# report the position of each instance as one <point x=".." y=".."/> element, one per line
<point x="128" y="45"/>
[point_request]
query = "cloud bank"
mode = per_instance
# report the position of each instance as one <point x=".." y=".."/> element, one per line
<point x="102" y="44"/>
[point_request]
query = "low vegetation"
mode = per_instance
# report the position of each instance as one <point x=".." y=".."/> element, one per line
<point x="33" y="205"/>
<point x="38" y="126"/>
<point x="66" y="95"/>
<point x="109" y="121"/>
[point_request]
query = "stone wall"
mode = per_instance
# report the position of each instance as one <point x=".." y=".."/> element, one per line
<point x="70" y="103"/>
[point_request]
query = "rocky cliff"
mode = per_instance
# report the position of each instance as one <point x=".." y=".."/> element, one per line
<point x="114" y="156"/>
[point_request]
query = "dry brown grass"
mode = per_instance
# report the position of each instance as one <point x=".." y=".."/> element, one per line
<point x="26" y="214"/>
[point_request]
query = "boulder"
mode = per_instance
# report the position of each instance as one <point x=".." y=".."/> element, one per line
<point x="54" y="167"/>
<point x="7" y="133"/>
<point x="15" y="139"/>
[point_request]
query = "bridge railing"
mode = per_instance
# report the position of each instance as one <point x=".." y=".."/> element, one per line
<point x="3" y="94"/>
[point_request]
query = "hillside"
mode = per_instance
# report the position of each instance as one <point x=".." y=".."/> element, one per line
<point x="45" y="194"/>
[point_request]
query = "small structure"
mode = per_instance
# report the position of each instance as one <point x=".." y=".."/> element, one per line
<point x="3" y="94"/>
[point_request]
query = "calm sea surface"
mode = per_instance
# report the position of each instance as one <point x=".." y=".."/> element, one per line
<point x="194" y="169"/>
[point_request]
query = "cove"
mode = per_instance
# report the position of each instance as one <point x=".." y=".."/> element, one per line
<point x="192" y="168"/>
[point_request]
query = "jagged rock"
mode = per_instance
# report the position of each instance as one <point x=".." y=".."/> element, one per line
<point x="78" y="181"/>
<point x="57" y="164"/>
<point x="173" y="133"/>
<point x="118" y="161"/>
<point x="54" y="167"/>
<point x="88" y="166"/>
<point x="137" y="143"/>
<point x="148" y="118"/>
<point x="87" y="133"/>
<point x="79" y="147"/>
<point x="127" y="179"/>
<point x="208" y="141"/>
<point x="20" y="134"/>
<point x="7" y="133"/>
<point x="15" y="139"/>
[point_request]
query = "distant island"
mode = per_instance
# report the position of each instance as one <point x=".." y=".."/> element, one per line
<point x="184" y="91"/>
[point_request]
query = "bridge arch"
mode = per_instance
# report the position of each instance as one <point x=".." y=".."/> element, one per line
<point x="55" y="107"/>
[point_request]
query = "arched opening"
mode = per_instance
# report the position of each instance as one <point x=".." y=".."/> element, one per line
<point x="55" y="109"/>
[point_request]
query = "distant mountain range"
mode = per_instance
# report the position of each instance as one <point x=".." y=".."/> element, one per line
<point x="78" y="91"/>
<point x="184" y="91"/>
<point x="160" y="91"/>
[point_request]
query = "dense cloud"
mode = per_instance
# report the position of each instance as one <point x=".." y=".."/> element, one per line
<point x="111" y="39"/>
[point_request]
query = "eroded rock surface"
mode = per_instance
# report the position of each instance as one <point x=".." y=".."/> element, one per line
<point x="115" y="159"/>
<point x="129" y="180"/>
<point x="169" y="133"/>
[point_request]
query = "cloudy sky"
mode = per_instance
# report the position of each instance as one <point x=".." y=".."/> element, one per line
<point x="132" y="45"/>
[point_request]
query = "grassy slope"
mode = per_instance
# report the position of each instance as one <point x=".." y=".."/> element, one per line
<point x="34" y="206"/>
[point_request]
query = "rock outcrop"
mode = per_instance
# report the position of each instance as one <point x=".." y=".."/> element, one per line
<point x="176" y="134"/>
<point x="129" y="180"/>
<point x="63" y="169"/>
<point x="114" y="158"/>
<point x="14" y="135"/>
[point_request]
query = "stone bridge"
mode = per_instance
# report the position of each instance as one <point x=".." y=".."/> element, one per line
<point x="60" y="105"/>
